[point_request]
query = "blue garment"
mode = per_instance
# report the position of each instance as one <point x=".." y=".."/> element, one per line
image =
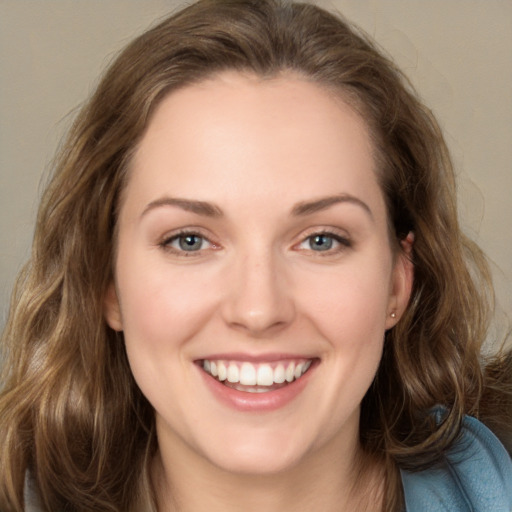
<point x="476" y="477"/>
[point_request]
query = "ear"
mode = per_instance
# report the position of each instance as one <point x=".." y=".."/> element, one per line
<point x="111" y="309"/>
<point x="402" y="281"/>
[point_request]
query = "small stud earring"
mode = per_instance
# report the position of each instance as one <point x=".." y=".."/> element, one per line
<point x="393" y="315"/>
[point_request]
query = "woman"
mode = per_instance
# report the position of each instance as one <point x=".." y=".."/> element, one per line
<point x="249" y="290"/>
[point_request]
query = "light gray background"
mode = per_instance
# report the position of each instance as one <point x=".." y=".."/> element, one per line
<point x="458" y="54"/>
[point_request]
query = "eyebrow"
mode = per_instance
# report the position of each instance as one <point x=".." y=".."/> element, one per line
<point x="300" y="209"/>
<point x="199" y="207"/>
<point x="310" y="207"/>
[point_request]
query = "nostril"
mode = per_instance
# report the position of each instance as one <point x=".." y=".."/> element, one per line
<point x="257" y="327"/>
<point x="255" y="319"/>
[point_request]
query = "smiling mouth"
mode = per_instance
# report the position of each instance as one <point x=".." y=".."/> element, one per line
<point x="256" y="378"/>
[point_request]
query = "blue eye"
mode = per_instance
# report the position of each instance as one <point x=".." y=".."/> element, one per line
<point x="190" y="242"/>
<point x="321" y="242"/>
<point x="324" y="242"/>
<point x="187" y="242"/>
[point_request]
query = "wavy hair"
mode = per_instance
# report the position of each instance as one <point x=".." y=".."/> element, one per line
<point x="71" y="414"/>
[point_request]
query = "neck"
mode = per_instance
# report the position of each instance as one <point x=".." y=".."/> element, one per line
<point x="333" y="481"/>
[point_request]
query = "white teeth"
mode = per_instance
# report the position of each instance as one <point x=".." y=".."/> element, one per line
<point x="290" y="372"/>
<point x="256" y="390"/>
<point x="233" y="373"/>
<point x="298" y="370"/>
<point x="222" y="372"/>
<point x="265" y="375"/>
<point x="279" y="376"/>
<point x="249" y="374"/>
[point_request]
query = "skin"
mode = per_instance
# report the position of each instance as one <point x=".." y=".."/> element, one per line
<point x="256" y="150"/>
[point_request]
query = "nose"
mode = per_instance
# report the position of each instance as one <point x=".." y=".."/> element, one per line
<point x="259" y="299"/>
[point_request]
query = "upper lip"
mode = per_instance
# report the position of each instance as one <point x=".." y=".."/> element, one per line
<point x="255" y="358"/>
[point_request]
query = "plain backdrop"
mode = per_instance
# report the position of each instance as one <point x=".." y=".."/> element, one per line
<point x="458" y="54"/>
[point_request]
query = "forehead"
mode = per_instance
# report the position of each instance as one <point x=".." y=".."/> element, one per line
<point x="244" y="134"/>
<point x="243" y="99"/>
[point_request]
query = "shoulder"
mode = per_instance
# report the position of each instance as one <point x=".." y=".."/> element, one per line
<point x="475" y="477"/>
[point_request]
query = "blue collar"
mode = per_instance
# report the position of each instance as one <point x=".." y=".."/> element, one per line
<point x="476" y="476"/>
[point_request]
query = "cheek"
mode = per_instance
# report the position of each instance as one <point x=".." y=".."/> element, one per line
<point x="345" y="309"/>
<point x="162" y="308"/>
<point x="349" y="305"/>
<point x="162" y="305"/>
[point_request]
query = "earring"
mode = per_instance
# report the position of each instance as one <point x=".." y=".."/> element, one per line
<point x="393" y="315"/>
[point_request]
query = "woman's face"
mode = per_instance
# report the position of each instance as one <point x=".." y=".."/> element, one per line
<point x="254" y="278"/>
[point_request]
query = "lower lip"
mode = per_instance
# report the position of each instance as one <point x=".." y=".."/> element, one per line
<point x="257" y="402"/>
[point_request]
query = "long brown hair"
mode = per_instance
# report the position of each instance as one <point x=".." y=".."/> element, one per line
<point x="71" y="414"/>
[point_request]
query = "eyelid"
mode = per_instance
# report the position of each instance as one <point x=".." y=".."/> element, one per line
<point x="340" y="236"/>
<point x="166" y="240"/>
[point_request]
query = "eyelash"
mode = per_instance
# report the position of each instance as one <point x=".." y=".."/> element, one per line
<point x="166" y="243"/>
<point x="342" y="241"/>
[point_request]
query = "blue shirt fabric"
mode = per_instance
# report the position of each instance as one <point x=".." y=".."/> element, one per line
<point x="476" y="476"/>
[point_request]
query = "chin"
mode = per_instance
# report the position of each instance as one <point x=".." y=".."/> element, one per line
<point x="257" y="462"/>
<point x="258" y="454"/>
